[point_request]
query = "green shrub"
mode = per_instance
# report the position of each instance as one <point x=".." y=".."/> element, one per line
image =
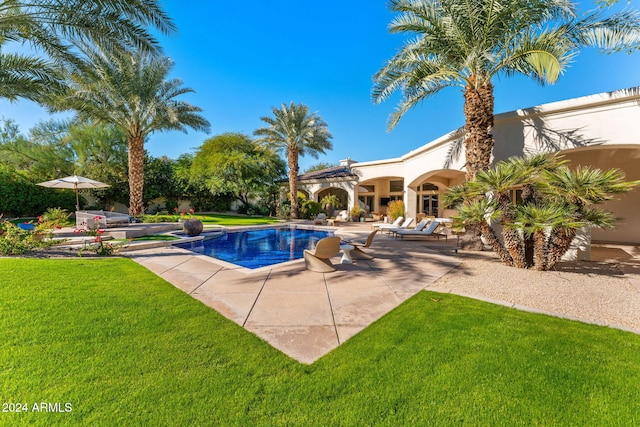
<point x="395" y="209"/>
<point x="19" y="197"/>
<point x="309" y="209"/>
<point x="283" y="210"/>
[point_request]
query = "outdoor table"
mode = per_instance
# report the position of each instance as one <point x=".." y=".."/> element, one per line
<point x="346" y="254"/>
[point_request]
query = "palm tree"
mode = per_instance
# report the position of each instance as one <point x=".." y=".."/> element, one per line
<point x="297" y="132"/>
<point x="131" y="92"/>
<point x="468" y="43"/>
<point x="562" y="201"/>
<point x="52" y="28"/>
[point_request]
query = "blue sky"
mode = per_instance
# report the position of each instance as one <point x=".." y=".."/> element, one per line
<point x="244" y="57"/>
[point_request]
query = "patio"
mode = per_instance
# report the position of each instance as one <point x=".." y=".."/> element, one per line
<point x="302" y="313"/>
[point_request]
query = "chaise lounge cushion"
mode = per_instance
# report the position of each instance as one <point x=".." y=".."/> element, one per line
<point x="104" y="219"/>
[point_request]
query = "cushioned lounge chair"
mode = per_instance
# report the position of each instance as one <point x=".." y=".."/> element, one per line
<point x="407" y="222"/>
<point x="318" y="259"/>
<point x="104" y="219"/>
<point x="395" y="223"/>
<point x="321" y="219"/>
<point x="427" y="231"/>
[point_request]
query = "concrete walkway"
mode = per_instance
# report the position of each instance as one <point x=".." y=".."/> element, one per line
<point x="302" y="313"/>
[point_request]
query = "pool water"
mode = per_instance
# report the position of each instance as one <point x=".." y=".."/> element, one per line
<point x="258" y="248"/>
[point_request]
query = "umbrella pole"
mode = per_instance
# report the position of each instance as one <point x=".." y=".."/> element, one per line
<point x="77" y="200"/>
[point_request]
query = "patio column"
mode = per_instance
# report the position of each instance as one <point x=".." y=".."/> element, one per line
<point x="410" y="202"/>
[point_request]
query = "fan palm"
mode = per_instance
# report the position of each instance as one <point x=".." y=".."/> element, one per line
<point x="468" y="43"/>
<point x="297" y="132"/>
<point x="131" y="92"/>
<point x="52" y="27"/>
<point x="562" y="201"/>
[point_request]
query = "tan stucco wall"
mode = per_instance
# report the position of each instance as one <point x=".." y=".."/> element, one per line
<point x="602" y="130"/>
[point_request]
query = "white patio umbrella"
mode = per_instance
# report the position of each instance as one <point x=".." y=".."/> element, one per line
<point x="75" y="182"/>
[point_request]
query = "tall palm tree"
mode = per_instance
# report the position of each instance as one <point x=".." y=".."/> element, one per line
<point x="297" y="132"/>
<point x="467" y="43"/>
<point x="130" y="91"/>
<point x="51" y="28"/>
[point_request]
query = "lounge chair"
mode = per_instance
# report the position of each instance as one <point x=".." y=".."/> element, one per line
<point x="321" y="219"/>
<point x="429" y="230"/>
<point x="395" y="223"/>
<point x="104" y="219"/>
<point x="318" y="260"/>
<point x="357" y="252"/>
<point x="419" y="227"/>
<point x="407" y="222"/>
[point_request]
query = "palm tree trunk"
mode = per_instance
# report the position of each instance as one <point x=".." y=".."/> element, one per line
<point x="292" y="158"/>
<point x="478" y="113"/>
<point x="490" y="235"/>
<point x="559" y="244"/>
<point x="513" y="241"/>
<point x="136" y="175"/>
<point x="540" y="246"/>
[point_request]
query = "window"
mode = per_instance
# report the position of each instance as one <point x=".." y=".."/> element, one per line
<point x="367" y="188"/>
<point x="396" y="186"/>
<point x="427" y="199"/>
<point x="366" y="202"/>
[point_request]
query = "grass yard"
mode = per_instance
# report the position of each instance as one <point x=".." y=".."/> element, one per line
<point x="124" y="347"/>
<point x="216" y="219"/>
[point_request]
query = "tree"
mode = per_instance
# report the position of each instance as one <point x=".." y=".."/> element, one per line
<point x="234" y="163"/>
<point x="43" y="155"/>
<point x="297" y="132"/>
<point x="131" y="92"/>
<point x="52" y="28"/>
<point x="468" y="43"/>
<point x="194" y="188"/>
<point x="319" y="166"/>
<point x="558" y="202"/>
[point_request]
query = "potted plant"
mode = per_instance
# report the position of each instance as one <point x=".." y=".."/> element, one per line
<point x="356" y="213"/>
<point x="329" y="203"/>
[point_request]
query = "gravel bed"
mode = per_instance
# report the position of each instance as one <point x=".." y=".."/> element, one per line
<point x="602" y="293"/>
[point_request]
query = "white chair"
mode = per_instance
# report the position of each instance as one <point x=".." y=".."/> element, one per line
<point x="395" y="223"/>
<point x="429" y="230"/>
<point x="321" y="219"/>
<point x="407" y="222"/>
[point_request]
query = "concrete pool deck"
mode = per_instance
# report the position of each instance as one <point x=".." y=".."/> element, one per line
<point x="302" y="313"/>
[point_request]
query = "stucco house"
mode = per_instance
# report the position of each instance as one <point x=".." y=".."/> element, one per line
<point x="601" y="130"/>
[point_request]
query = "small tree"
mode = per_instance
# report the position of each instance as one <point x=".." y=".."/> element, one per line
<point x="233" y="163"/>
<point x="556" y="202"/>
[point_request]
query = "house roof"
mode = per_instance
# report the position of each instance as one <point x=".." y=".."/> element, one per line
<point x="333" y="172"/>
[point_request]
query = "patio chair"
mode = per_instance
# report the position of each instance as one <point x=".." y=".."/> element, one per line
<point x="407" y="222"/>
<point x="426" y="232"/>
<point x="318" y="260"/>
<point x="321" y="219"/>
<point x="357" y="252"/>
<point x="395" y="223"/>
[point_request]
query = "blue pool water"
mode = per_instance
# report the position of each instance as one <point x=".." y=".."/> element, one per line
<point x="258" y="248"/>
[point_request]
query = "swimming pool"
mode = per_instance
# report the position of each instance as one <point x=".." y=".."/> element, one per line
<point x="258" y="247"/>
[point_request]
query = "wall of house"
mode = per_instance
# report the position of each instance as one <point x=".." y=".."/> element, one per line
<point x="602" y="130"/>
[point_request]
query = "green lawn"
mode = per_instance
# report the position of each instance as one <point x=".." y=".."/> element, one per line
<point x="217" y="219"/>
<point x="124" y="347"/>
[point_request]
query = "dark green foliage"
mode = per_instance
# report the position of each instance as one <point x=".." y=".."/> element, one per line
<point x="20" y="197"/>
<point x="309" y="209"/>
<point x="233" y="163"/>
